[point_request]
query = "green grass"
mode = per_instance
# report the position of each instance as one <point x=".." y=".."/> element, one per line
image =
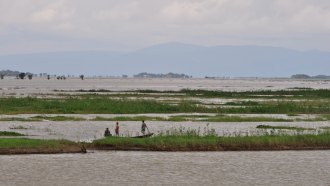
<point x="17" y="143"/>
<point x="282" y="127"/>
<point x="91" y="105"/>
<point x="325" y="117"/>
<point x="7" y="133"/>
<point x="37" y="146"/>
<point x="204" y="143"/>
<point x="300" y="93"/>
<point x="296" y="93"/>
<point x="110" y="106"/>
<point x="174" y="142"/>
<point x="311" y="102"/>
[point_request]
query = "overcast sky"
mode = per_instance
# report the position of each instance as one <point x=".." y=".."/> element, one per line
<point x="28" y="26"/>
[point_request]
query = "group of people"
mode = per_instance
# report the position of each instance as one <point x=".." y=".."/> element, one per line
<point x="108" y="133"/>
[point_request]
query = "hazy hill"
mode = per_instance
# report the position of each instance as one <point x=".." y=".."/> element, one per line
<point x="195" y="60"/>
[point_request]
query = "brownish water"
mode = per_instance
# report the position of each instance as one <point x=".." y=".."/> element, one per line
<point x="164" y="168"/>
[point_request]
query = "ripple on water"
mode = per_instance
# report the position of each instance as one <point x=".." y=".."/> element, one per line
<point x="168" y="168"/>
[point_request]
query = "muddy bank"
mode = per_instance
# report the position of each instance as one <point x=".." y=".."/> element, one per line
<point x="206" y="149"/>
<point x="155" y="148"/>
<point x="41" y="151"/>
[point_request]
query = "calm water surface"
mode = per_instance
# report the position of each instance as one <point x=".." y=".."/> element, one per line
<point x="164" y="168"/>
<point x="91" y="130"/>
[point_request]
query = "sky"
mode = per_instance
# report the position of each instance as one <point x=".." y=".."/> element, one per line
<point x="33" y="26"/>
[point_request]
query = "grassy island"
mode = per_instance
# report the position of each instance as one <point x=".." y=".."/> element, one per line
<point x="169" y="143"/>
<point x="215" y="143"/>
<point x="9" y="133"/>
<point x="37" y="146"/>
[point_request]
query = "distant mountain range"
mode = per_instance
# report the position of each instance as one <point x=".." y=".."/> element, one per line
<point x="198" y="61"/>
<point x="305" y="76"/>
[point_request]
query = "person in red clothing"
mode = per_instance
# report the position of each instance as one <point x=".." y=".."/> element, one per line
<point x="117" y="129"/>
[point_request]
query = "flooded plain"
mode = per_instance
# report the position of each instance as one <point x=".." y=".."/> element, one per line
<point x="157" y="168"/>
<point x="168" y="168"/>
<point x="11" y="86"/>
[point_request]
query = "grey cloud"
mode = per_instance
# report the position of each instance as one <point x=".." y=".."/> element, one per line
<point x="133" y="24"/>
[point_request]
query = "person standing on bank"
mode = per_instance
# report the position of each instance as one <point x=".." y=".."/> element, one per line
<point x="144" y="127"/>
<point x="117" y="128"/>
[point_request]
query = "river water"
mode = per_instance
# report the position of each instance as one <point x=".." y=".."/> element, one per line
<point x="168" y="168"/>
<point x="91" y="130"/>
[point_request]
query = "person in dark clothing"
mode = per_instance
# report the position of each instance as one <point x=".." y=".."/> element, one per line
<point x="117" y="129"/>
<point x="107" y="132"/>
<point x="143" y="127"/>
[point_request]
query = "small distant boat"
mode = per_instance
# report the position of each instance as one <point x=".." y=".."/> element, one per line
<point x="144" y="136"/>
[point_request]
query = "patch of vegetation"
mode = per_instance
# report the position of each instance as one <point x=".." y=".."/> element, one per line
<point x="224" y="118"/>
<point x="94" y="90"/>
<point x="205" y="118"/>
<point x="300" y="88"/>
<point x="92" y="106"/>
<point x="58" y="118"/>
<point x="325" y="117"/>
<point x="297" y="93"/>
<point x="243" y="103"/>
<point x="32" y="146"/>
<point x="20" y="119"/>
<point x="8" y="133"/>
<point x="214" y="143"/>
<point x="125" y="118"/>
<point x="282" y="127"/>
<point x="106" y="104"/>
<point x="42" y="118"/>
<point x="19" y="127"/>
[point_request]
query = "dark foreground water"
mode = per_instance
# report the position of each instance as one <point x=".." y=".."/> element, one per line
<point x="164" y="168"/>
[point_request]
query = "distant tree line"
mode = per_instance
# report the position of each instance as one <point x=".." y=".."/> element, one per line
<point x="168" y="75"/>
<point x="4" y="73"/>
<point x="17" y="74"/>
<point x="28" y="75"/>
